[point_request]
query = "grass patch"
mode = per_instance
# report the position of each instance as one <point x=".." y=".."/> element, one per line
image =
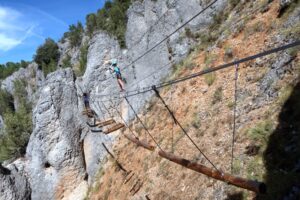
<point x="66" y="62"/>
<point x="196" y="123"/>
<point x="285" y="11"/>
<point x="218" y="95"/>
<point x="210" y="77"/>
<point x="255" y="28"/>
<point x="236" y="167"/>
<point x="292" y="32"/>
<point x="284" y="94"/>
<point x="228" y="54"/>
<point x="138" y="129"/>
<point x="162" y="170"/>
<point x="150" y="124"/>
<point x="261" y="132"/>
<point x="293" y="51"/>
<point x="230" y="104"/>
<point x="255" y="168"/>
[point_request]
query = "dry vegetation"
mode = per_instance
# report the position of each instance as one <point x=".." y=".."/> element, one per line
<point x="204" y="106"/>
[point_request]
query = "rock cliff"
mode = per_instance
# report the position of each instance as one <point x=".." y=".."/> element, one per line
<point x="63" y="156"/>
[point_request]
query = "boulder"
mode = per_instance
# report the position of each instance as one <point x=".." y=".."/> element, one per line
<point x="14" y="184"/>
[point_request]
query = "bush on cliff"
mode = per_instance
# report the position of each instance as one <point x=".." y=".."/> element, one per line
<point x="111" y="18"/>
<point x="18" y="123"/>
<point x="47" y="56"/>
<point x="10" y="67"/>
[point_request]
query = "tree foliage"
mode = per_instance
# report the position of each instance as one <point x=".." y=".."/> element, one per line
<point x="18" y="123"/>
<point x="10" y="67"/>
<point x="83" y="58"/>
<point x="66" y="62"/>
<point x="6" y="102"/>
<point x="74" y="34"/>
<point x="47" y="56"/>
<point x="111" y="18"/>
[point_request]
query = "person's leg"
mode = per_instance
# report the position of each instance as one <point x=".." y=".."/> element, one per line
<point x="121" y="84"/>
<point x="87" y="105"/>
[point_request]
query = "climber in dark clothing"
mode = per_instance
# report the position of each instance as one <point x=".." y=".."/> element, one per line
<point x="115" y="69"/>
<point x="86" y="100"/>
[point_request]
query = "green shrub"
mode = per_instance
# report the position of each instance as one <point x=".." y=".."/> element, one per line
<point x="91" y="23"/>
<point x="257" y="27"/>
<point x="206" y="38"/>
<point x="230" y="104"/>
<point x="18" y="124"/>
<point x="261" y="132"/>
<point x="47" y="56"/>
<point x="217" y="95"/>
<point x="111" y="18"/>
<point x="196" y="123"/>
<point x="66" y="62"/>
<point x="20" y="93"/>
<point x="75" y="34"/>
<point x="10" y="67"/>
<point x="228" y="53"/>
<point x="210" y="77"/>
<point x="288" y="9"/>
<point x="233" y="3"/>
<point x="189" y="33"/>
<point x="6" y="102"/>
<point x="83" y="59"/>
<point x="18" y="127"/>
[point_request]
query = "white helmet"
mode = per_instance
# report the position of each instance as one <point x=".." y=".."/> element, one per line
<point x="114" y="61"/>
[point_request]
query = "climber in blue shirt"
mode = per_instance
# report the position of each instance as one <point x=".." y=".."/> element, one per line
<point x="115" y="69"/>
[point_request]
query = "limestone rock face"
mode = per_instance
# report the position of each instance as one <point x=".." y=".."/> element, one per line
<point x="62" y="151"/>
<point x="54" y="153"/>
<point x="13" y="183"/>
<point x="149" y="22"/>
<point x="30" y="74"/>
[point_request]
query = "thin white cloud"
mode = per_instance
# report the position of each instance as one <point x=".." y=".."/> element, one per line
<point x="7" y="43"/>
<point x="14" y="30"/>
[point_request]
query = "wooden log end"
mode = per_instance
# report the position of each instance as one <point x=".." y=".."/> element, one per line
<point x="255" y="186"/>
<point x="262" y="188"/>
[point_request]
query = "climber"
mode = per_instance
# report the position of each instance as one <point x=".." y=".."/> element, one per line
<point x="115" y="69"/>
<point x="86" y="101"/>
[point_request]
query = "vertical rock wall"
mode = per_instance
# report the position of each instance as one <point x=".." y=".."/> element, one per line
<point x="55" y="162"/>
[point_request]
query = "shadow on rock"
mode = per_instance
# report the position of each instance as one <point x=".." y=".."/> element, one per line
<point x="282" y="155"/>
<point x="235" y="196"/>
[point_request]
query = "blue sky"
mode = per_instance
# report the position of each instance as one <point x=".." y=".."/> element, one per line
<point x="24" y="24"/>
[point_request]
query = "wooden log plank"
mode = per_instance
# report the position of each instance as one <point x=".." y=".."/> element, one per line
<point x="138" y="188"/>
<point x="89" y="114"/>
<point x="128" y="173"/>
<point x="105" y="123"/>
<point x="140" y="143"/>
<point x="254" y="186"/>
<point x="133" y="187"/>
<point x="113" y="128"/>
<point x="130" y="177"/>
